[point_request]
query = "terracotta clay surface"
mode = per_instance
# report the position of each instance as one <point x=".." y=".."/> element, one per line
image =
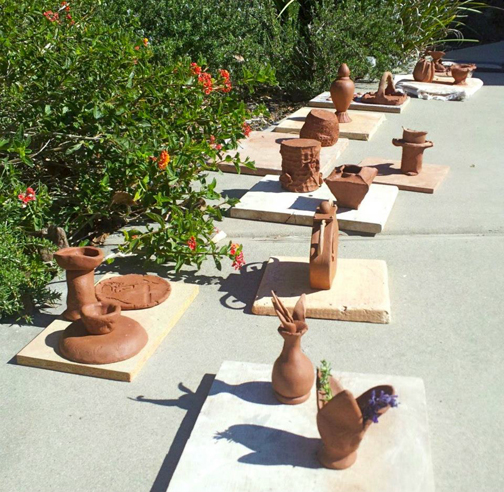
<point x="414" y="145"/>
<point x="341" y="424"/>
<point x="324" y="246"/>
<point x="102" y="336"/>
<point x="349" y="184"/>
<point x="460" y="72"/>
<point x="436" y="59"/>
<point x="424" y="71"/>
<point x="342" y="93"/>
<point x="79" y="264"/>
<point x="321" y="125"/>
<point x="300" y="165"/>
<point x="386" y="94"/>
<point x="134" y="291"/>
<point x="293" y="373"/>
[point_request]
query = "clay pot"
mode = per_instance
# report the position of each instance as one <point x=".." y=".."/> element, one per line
<point x="293" y="373"/>
<point x="341" y="423"/>
<point x="386" y="93"/>
<point x="99" y="318"/>
<point x="349" y="184"/>
<point x="436" y="58"/>
<point x="79" y="264"/>
<point x="324" y="246"/>
<point x="300" y="165"/>
<point x="414" y="145"/>
<point x="321" y="125"/>
<point x="424" y="71"/>
<point x="342" y="93"/>
<point x="460" y="72"/>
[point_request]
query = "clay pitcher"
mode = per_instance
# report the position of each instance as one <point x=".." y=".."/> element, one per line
<point x="293" y="373"/>
<point x="424" y="71"/>
<point x="342" y="93"/>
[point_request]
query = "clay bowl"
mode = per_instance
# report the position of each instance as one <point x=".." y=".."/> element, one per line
<point x="414" y="136"/>
<point x="460" y="72"/>
<point x="86" y="258"/>
<point x="99" y="317"/>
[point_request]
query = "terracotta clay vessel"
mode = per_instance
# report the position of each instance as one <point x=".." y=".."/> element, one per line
<point x="386" y="94"/>
<point x="342" y="423"/>
<point x="102" y="336"/>
<point x="300" y="165"/>
<point x="424" y="71"/>
<point x="414" y="145"/>
<point x="349" y="184"/>
<point x="324" y="246"/>
<point x="436" y="59"/>
<point x="293" y="373"/>
<point x="461" y="71"/>
<point x="342" y="93"/>
<point x="79" y="264"/>
<point x="321" y="125"/>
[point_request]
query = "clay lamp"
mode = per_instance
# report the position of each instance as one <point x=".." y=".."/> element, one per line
<point x="342" y="93"/>
<point x="436" y="58"/>
<point x="102" y="336"/>
<point x="414" y="145"/>
<point x="79" y="264"/>
<point x="293" y="373"/>
<point x="321" y="125"/>
<point x="343" y="420"/>
<point x="349" y="184"/>
<point x="461" y="71"/>
<point x="386" y="94"/>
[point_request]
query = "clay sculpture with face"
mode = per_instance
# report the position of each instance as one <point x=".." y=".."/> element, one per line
<point x="342" y="93"/>
<point x="386" y="94"/>
<point x="413" y="144"/>
<point x="321" y="125"/>
<point x="349" y="184"/>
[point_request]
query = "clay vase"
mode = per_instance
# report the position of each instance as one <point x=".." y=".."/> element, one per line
<point x="349" y="184"/>
<point x="461" y="71"/>
<point x="424" y="71"/>
<point x="324" y="246"/>
<point x="102" y="336"/>
<point x="342" y="93"/>
<point x="293" y="373"/>
<point x="321" y="125"/>
<point x="413" y="144"/>
<point x="79" y="264"/>
<point x="436" y="58"/>
<point x="300" y="165"/>
<point x="341" y="423"/>
<point x="386" y="94"/>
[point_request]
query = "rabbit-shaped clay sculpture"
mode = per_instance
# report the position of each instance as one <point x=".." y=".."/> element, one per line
<point x="293" y="373"/>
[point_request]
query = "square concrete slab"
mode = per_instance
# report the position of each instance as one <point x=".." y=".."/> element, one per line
<point x="441" y="88"/>
<point x="158" y="321"/>
<point x="245" y="441"/>
<point x="264" y="149"/>
<point x="359" y="291"/>
<point x="362" y="127"/>
<point x="324" y="101"/>
<point x="267" y="201"/>
<point x="389" y="173"/>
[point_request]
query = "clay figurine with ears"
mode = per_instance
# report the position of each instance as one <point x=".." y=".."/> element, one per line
<point x="293" y="373"/>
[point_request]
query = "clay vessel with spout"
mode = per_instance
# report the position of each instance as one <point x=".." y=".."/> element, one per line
<point x="293" y="373"/>
<point x="413" y="144"/>
<point x="342" y="93"/>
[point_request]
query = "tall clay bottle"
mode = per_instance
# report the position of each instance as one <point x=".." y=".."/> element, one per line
<point x="342" y="93"/>
<point x="293" y="373"/>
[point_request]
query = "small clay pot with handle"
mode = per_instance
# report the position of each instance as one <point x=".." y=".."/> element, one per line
<point x="342" y="93"/>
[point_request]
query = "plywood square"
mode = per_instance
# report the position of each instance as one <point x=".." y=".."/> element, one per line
<point x="441" y="88"/>
<point x="324" y="101"/>
<point x="362" y="127"/>
<point x="268" y="201"/>
<point x="157" y="321"/>
<point x="389" y="173"/>
<point x="264" y="149"/>
<point x="359" y="291"/>
<point x="244" y="440"/>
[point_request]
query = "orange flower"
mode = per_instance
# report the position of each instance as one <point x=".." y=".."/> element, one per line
<point x="145" y="41"/>
<point x="163" y="160"/>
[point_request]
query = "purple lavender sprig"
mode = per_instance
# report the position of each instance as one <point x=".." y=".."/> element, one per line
<point x="376" y="404"/>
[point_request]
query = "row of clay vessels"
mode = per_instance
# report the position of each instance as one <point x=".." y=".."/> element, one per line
<point x="425" y="70"/>
<point x="99" y="333"/>
<point x="342" y="420"/>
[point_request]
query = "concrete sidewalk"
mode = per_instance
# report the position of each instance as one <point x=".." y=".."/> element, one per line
<point x="60" y="432"/>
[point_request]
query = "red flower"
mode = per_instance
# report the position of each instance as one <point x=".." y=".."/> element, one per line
<point x="137" y="47"/>
<point x="213" y="144"/>
<point x="226" y="83"/>
<point x="191" y="243"/>
<point x="195" y="69"/>
<point x="205" y="79"/>
<point x="163" y="160"/>
<point x="28" y="196"/>
<point x="51" y="16"/>
<point x="246" y="129"/>
<point x="238" y="261"/>
<point x="224" y="74"/>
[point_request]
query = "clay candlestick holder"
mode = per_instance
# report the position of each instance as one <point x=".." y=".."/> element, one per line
<point x="300" y="165"/>
<point x="324" y="246"/>
<point x="342" y="93"/>
<point x="414" y="145"/>
<point x="293" y="373"/>
<point x="349" y="184"/>
<point x="386" y="94"/>
<point x="436" y="58"/>
<point x="321" y="125"/>
<point x="424" y="70"/>
<point x="102" y="336"/>
<point x="460" y="72"/>
<point x="79" y="264"/>
<point x="343" y="420"/>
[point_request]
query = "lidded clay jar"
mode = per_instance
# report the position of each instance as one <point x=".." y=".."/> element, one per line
<point x="342" y="93"/>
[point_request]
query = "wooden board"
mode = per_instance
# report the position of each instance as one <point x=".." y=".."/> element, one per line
<point x="264" y="149"/>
